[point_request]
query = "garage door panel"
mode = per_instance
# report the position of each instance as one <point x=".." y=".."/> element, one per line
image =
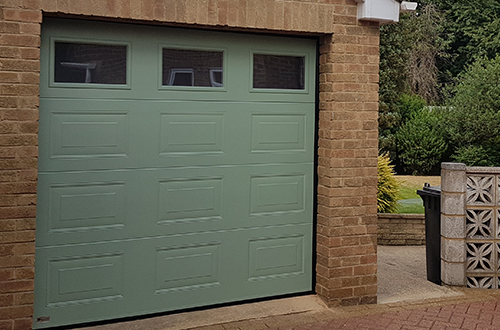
<point x="278" y="132"/>
<point x="250" y="275"/>
<point x="145" y="64"/>
<point x="80" y="285"/>
<point x="88" y="210"/>
<point x="85" y="279"/>
<point x="176" y="183"/>
<point x="190" y="133"/>
<point x="278" y="258"/>
<point x="89" y="134"/>
<point x="86" y="135"/>
<point x="188" y="267"/>
<point x="108" y="205"/>
<point x="229" y="197"/>
<point x="277" y="194"/>
<point x="93" y="205"/>
<point x="167" y="134"/>
<point x="190" y="199"/>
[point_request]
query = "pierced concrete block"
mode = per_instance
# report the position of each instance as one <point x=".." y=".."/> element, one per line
<point x="453" y="250"/>
<point x="453" y="273"/>
<point x="453" y="226"/>
<point x="452" y="204"/>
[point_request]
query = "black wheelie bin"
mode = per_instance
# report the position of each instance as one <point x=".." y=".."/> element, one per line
<point x="432" y="203"/>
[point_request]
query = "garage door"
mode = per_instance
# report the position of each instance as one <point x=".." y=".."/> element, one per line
<point x="175" y="169"/>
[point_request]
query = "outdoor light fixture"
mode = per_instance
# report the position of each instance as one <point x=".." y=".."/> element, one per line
<point x="383" y="11"/>
<point x="408" y="6"/>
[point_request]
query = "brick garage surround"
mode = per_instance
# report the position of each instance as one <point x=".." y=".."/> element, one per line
<point x="347" y="129"/>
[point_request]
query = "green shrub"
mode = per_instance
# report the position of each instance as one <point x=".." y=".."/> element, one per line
<point x="410" y="105"/>
<point x="421" y="142"/>
<point x="388" y="186"/>
<point x="474" y="155"/>
<point x="474" y="119"/>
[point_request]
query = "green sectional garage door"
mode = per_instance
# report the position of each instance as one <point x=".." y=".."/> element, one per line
<point x="175" y="169"/>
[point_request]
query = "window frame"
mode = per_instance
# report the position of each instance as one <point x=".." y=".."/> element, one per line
<point x="280" y="90"/>
<point x="162" y="87"/>
<point x="53" y="83"/>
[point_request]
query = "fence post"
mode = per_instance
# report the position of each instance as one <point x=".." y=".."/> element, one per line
<point x="453" y="194"/>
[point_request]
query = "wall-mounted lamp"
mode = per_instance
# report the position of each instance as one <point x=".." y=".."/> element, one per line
<point x="383" y="11"/>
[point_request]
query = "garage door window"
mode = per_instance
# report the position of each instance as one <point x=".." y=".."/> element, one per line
<point x="90" y="63"/>
<point x="188" y="67"/>
<point x="278" y="71"/>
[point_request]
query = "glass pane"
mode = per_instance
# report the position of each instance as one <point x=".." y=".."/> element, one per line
<point x="186" y="67"/>
<point x="278" y="71"/>
<point x="90" y="63"/>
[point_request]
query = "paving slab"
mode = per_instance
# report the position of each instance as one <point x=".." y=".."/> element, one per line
<point x="402" y="276"/>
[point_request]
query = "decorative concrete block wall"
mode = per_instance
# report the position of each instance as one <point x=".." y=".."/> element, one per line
<point x="470" y="228"/>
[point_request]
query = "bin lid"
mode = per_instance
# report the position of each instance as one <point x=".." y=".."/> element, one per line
<point x="429" y="190"/>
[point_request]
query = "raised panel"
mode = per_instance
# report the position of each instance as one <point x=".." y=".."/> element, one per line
<point x="89" y="134"/>
<point x="84" y="279"/>
<point x="276" y="257"/>
<point x="190" y="199"/>
<point x="278" y="132"/>
<point x="191" y="133"/>
<point x="277" y="194"/>
<point x="92" y="206"/>
<point x="187" y="267"/>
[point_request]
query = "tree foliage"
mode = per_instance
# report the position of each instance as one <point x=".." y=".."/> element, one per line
<point x="445" y="54"/>
<point x="471" y="27"/>
<point x="473" y="122"/>
<point x="408" y="54"/>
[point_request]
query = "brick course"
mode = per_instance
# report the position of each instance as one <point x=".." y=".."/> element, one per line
<point x="347" y="128"/>
<point x="401" y="229"/>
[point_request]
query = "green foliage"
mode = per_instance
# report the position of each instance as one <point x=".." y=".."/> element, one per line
<point x="394" y="57"/>
<point x="475" y="155"/>
<point x="472" y="29"/>
<point x="445" y="43"/>
<point x="408" y="72"/>
<point x="410" y="106"/>
<point x="388" y="186"/>
<point x="473" y="122"/>
<point x="421" y="142"/>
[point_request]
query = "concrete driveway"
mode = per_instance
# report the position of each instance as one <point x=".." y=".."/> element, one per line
<point x="402" y="276"/>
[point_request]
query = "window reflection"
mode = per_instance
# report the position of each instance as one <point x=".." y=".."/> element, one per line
<point x="186" y="67"/>
<point x="90" y="63"/>
<point x="278" y="71"/>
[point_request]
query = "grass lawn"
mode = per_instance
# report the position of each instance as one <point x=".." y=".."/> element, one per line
<point x="411" y="202"/>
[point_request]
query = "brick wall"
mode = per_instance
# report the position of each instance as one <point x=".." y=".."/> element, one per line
<point x="401" y="229"/>
<point x="347" y="164"/>
<point x="19" y="65"/>
<point x="348" y="94"/>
